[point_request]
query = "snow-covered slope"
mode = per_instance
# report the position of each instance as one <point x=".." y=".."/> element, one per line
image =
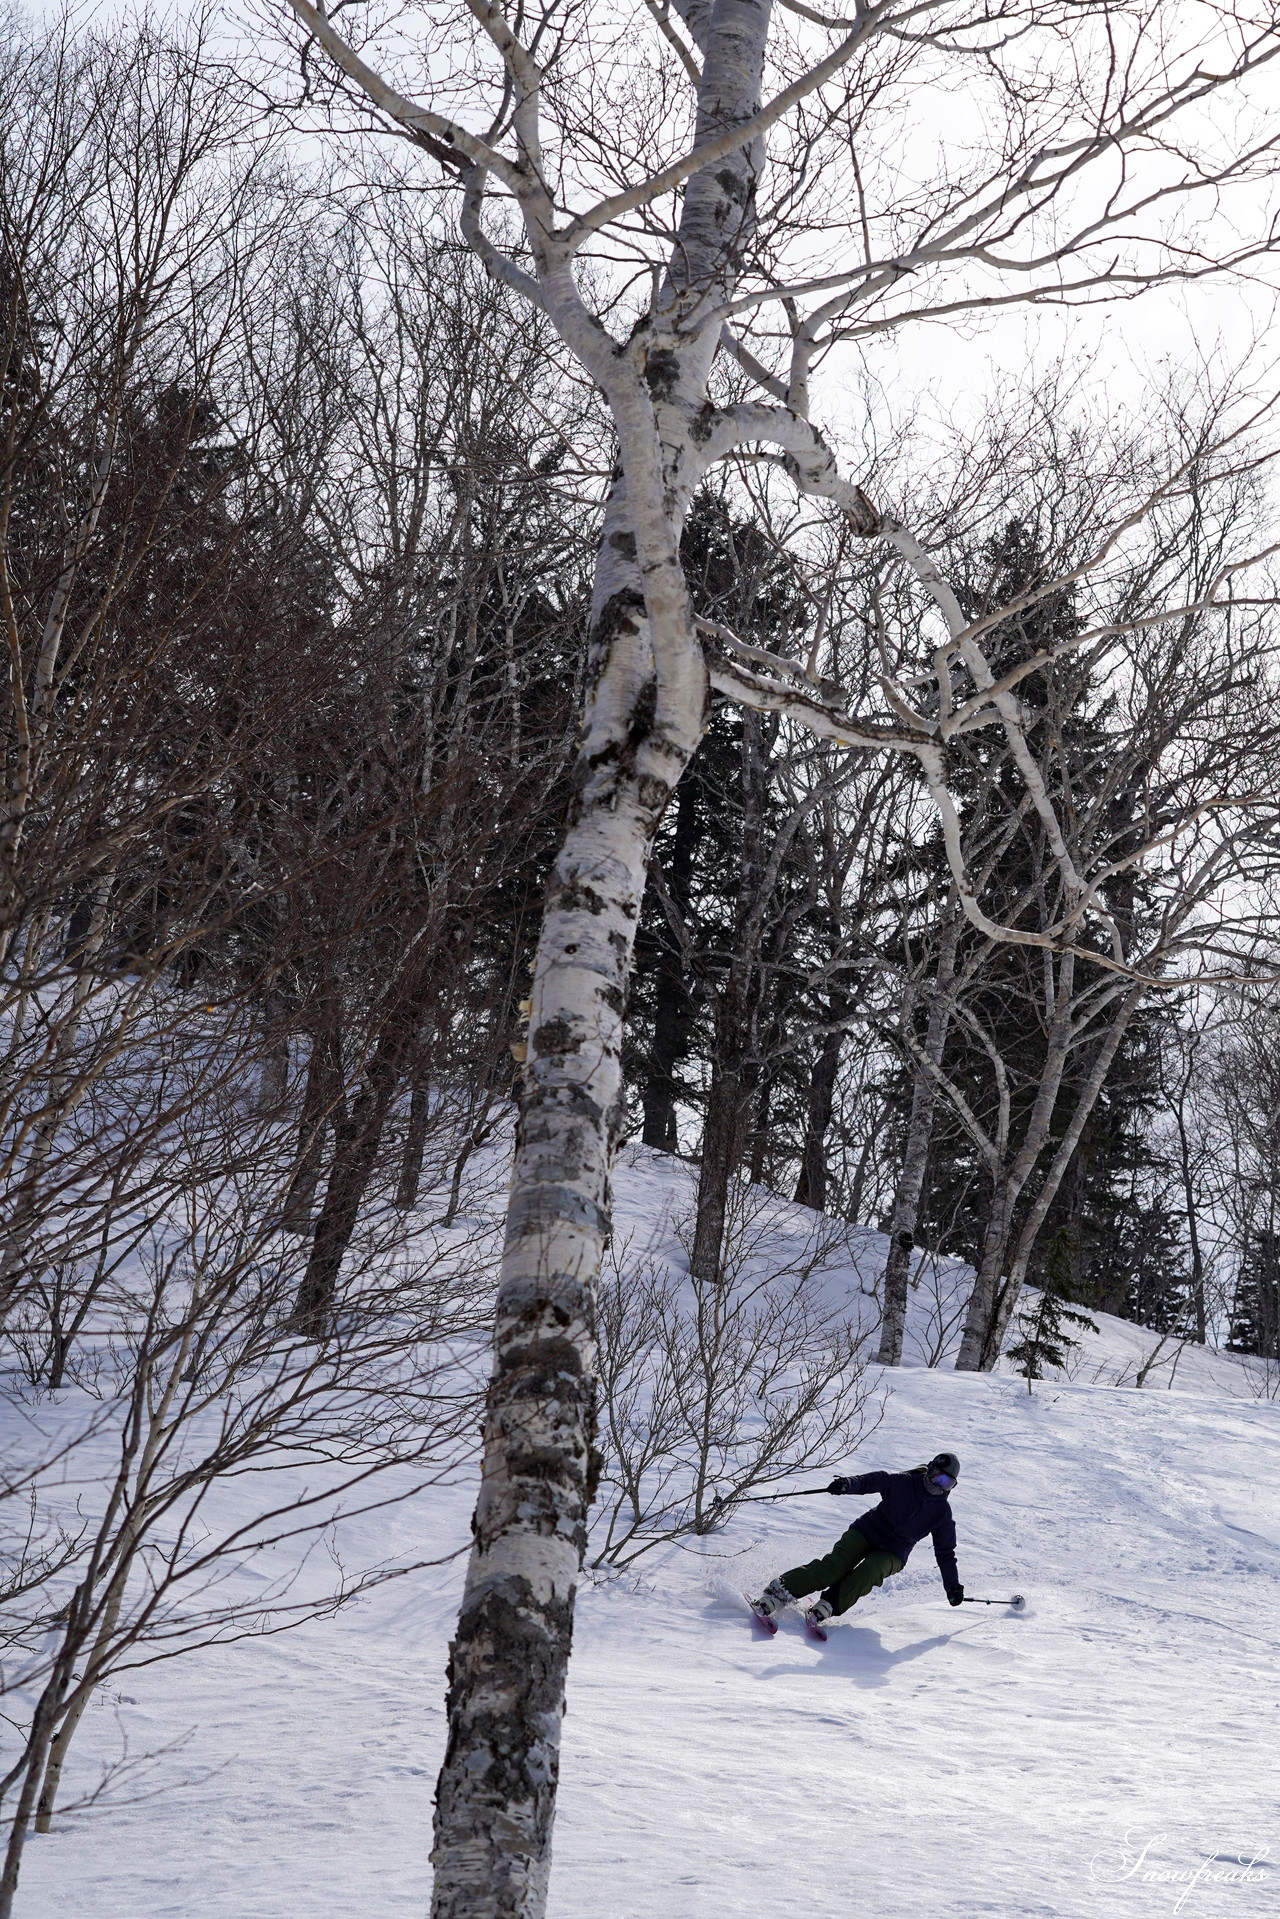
<point x="925" y="1761"/>
<point x="653" y="1191"/>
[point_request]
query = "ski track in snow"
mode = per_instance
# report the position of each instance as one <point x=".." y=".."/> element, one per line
<point x="926" y="1761"/>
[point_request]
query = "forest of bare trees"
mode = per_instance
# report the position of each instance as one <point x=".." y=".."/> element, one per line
<point x="481" y="683"/>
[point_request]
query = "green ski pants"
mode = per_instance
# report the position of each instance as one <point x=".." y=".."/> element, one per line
<point x="848" y="1572"/>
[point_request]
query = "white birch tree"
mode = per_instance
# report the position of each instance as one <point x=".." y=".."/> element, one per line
<point x="705" y="216"/>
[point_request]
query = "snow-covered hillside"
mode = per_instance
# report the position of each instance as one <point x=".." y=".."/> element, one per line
<point x="1075" y="1758"/>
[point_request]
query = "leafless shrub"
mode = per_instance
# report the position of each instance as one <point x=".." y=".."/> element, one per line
<point x="711" y="1389"/>
<point x="185" y="1378"/>
<point x="939" y="1309"/>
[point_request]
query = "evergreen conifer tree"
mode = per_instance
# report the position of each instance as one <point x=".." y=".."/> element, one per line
<point x="1042" y="1326"/>
<point x="1255" y="1311"/>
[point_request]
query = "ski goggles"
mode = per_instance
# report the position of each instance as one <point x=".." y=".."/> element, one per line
<point x="943" y="1481"/>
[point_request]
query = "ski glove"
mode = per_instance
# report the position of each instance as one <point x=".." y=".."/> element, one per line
<point x="840" y="1486"/>
<point x="955" y="1595"/>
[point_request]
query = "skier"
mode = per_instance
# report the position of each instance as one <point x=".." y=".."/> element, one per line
<point x="878" y="1544"/>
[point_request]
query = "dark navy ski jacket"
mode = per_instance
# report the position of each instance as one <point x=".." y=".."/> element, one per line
<point x="905" y="1514"/>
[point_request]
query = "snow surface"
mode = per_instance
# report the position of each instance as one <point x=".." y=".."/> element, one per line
<point x="1111" y="1750"/>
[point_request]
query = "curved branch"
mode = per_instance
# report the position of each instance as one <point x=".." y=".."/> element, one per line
<point x="418" y="120"/>
<point x="490" y="256"/>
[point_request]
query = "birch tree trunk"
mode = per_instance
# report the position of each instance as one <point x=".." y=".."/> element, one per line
<point x="1007" y="1296"/>
<point x="507" y="1664"/>
<point x="979" y="1345"/>
<point x="496" y="1796"/>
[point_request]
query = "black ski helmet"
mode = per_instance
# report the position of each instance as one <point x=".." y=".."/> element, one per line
<point x="943" y="1466"/>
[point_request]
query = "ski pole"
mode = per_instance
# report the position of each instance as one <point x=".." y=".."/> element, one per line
<point x="1017" y="1602"/>
<point x="749" y="1499"/>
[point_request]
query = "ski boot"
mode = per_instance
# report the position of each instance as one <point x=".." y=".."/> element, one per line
<point x="772" y="1600"/>
<point x="815" y="1619"/>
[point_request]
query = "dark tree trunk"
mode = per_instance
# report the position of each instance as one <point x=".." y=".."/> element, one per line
<point x="273" y="1077"/>
<point x="811" y="1186"/>
<point x="357" y="1139"/>
<point x="321" y="1107"/>
<point x="673" y="995"/>
<point x="915" y="1157"/>
<point x="1193" y="1225"/>
<point x="31" y="1766"/>
<point x="660" y="1090"/>
<point x="476" y="1138"/>
<point x="415" y="1142"/>
<point x="735" y="1066"/>
<point x="760" y="1128"/>
<point x="733" y="1078"/>
<point x="843" y="996"/>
